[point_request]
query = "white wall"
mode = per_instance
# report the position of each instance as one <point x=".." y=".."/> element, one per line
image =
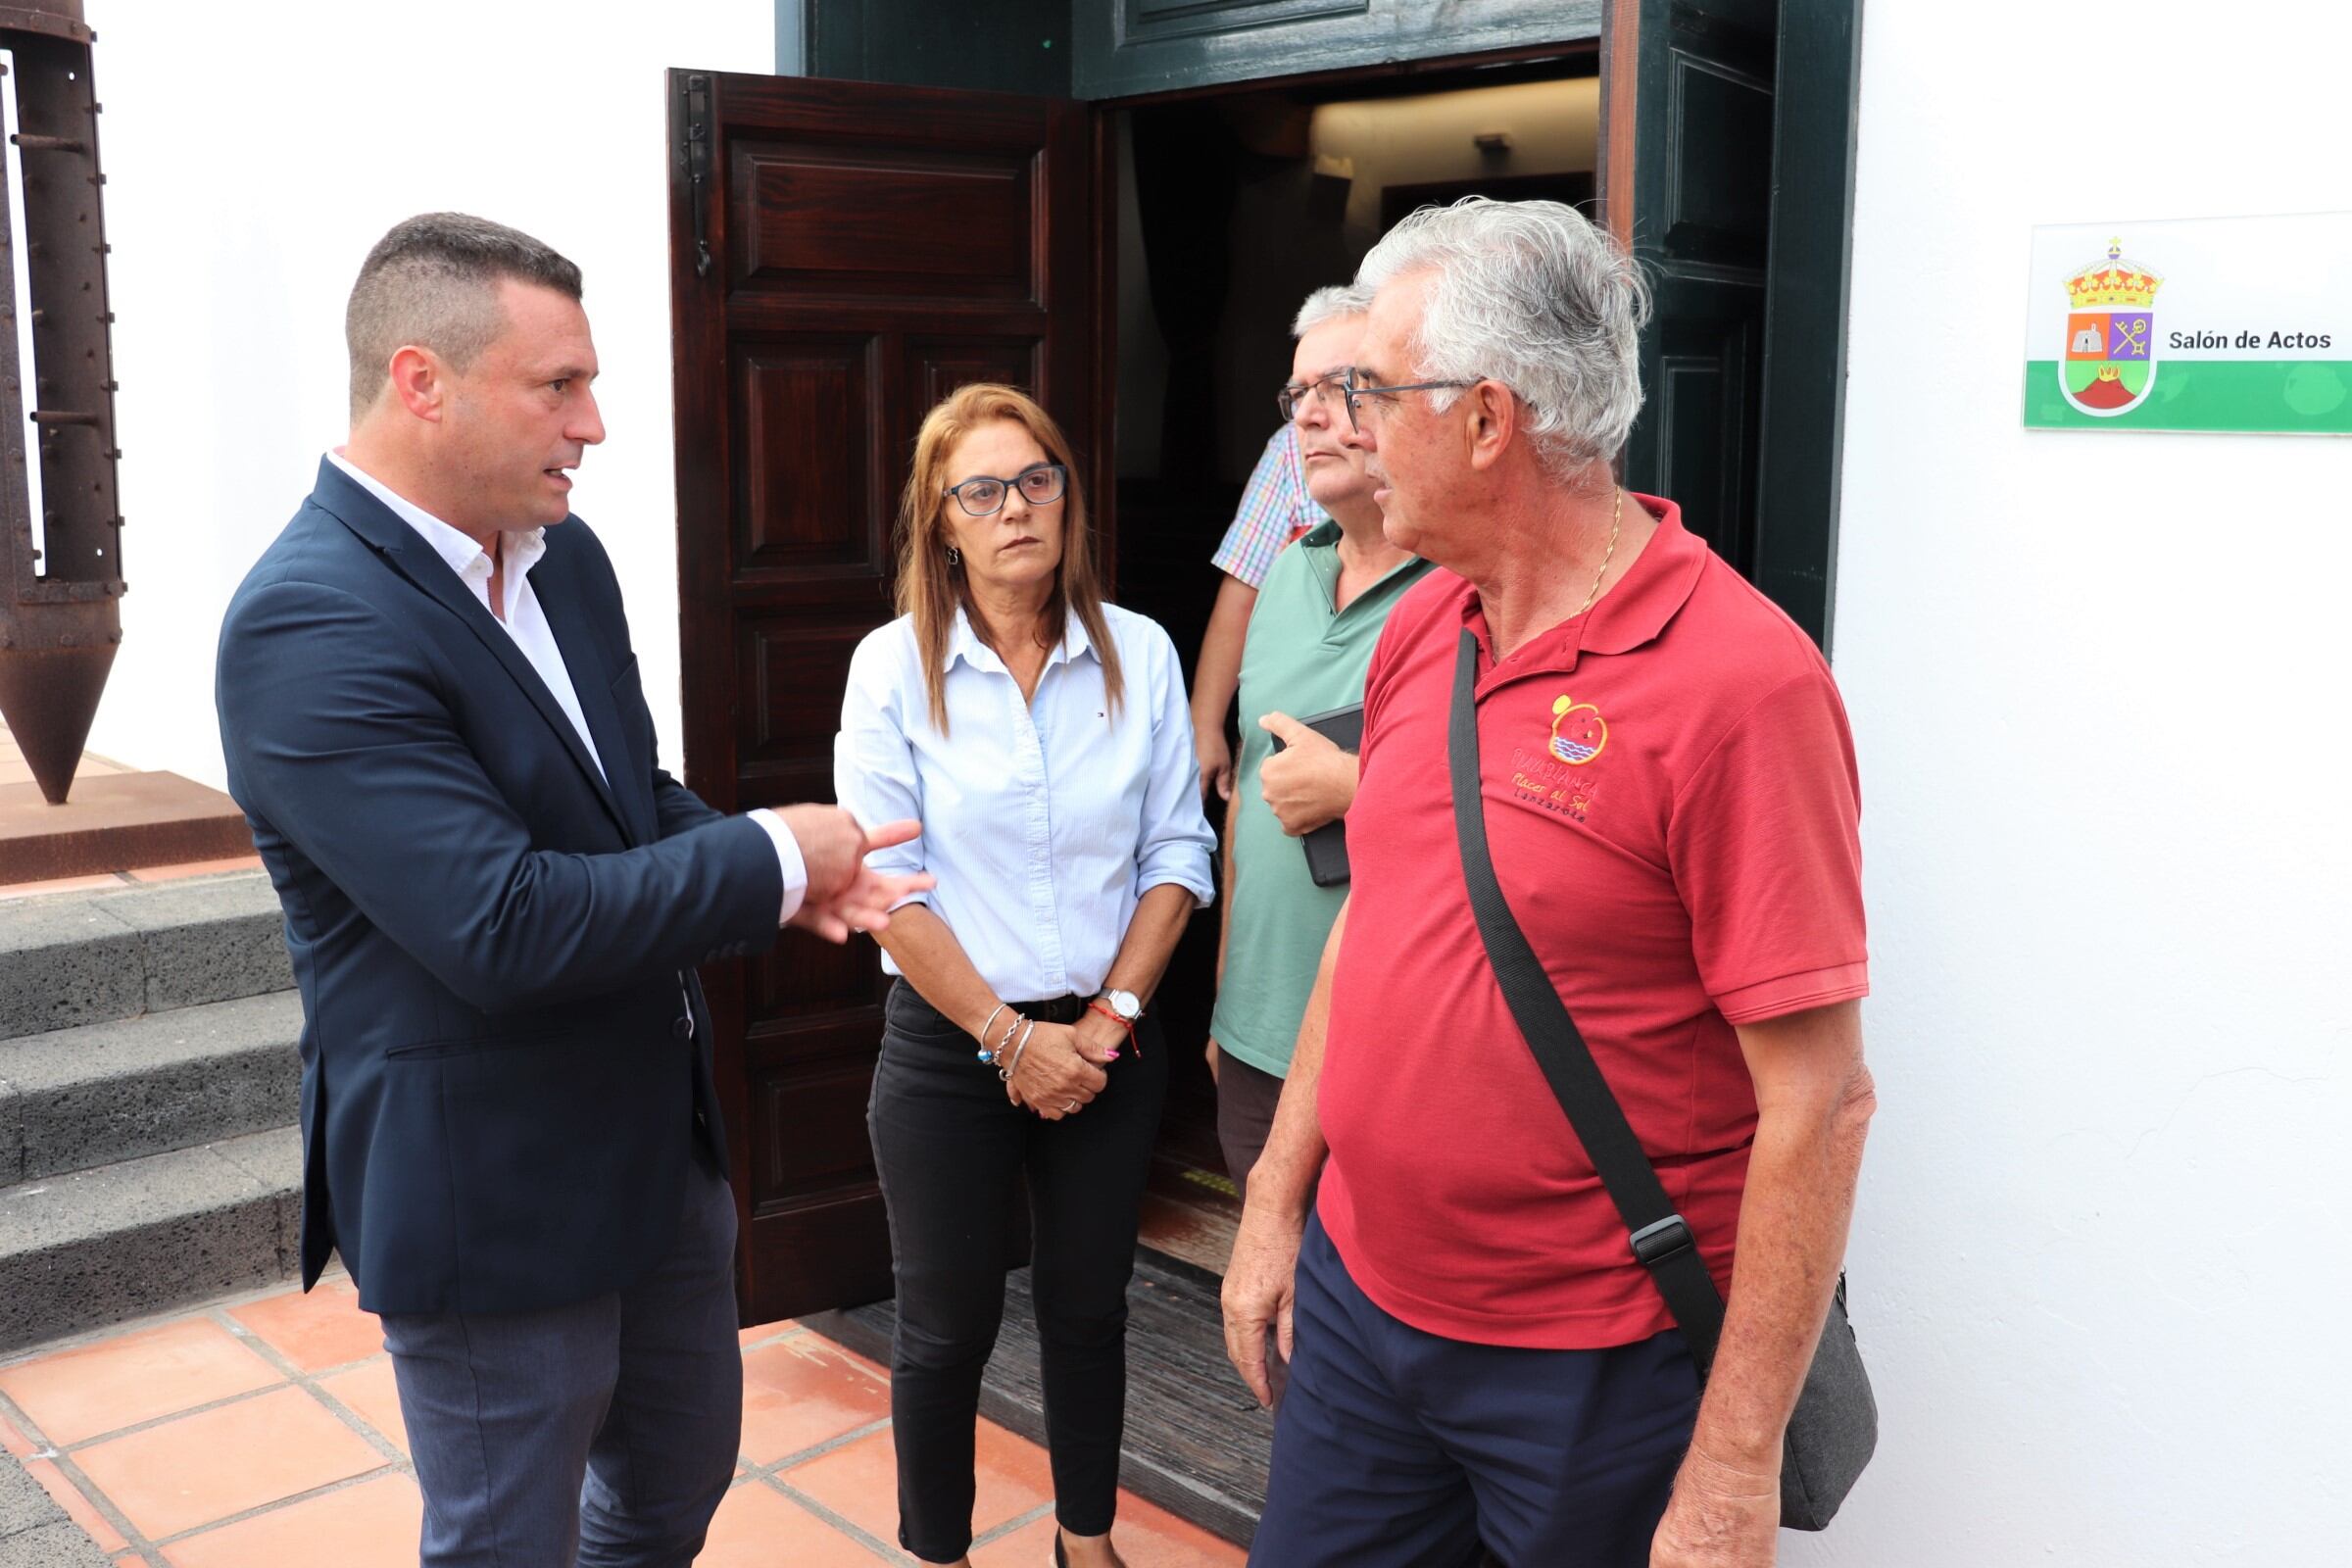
<point x="2099" y="684"/>
<point x="250" y="166"/>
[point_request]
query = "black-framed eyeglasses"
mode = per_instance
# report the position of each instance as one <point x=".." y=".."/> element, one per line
<point x="1355" y="392"/>
<point x="983" y="495"/>
<point x="1319" y="389"/>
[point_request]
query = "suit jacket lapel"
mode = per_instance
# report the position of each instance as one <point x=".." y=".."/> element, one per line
<point x="375" y="522"/>
<point x="592" y="684"/>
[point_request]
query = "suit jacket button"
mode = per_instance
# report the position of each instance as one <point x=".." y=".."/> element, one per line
<point x="681" y="1028"/>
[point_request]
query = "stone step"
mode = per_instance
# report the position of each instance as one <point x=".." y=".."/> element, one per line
<point x="104" y="1092"/>
<point x="35" y="1531"/>
<point x="148" y="1235"/>
<point x="74" y="958"/>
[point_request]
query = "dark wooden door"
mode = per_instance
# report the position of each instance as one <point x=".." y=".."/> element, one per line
<point x="1728" y="159"/>
<point x="842" y="256"/>
<point x="1686" y="122"/>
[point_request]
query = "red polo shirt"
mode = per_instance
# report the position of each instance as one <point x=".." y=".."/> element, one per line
<point x="1672" y="808"/>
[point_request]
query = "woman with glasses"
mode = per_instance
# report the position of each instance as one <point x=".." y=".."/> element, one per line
<point x="1043" y="738"/>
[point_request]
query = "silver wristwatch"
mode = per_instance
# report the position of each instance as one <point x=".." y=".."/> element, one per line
<point x="1122" y="1002"/>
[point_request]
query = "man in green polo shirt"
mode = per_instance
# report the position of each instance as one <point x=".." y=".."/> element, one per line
<point x="1318" y="614"/>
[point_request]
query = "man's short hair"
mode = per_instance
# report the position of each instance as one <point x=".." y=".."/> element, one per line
<point x="1329" y="305"/>
<point x="1533" y="295"/>
<point x="433" y="282"/>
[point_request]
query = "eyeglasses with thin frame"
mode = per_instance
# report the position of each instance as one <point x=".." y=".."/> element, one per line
<point x="1319" y="389"/>
<point x="983" y="495"/>
<point x="1355" y="391"/>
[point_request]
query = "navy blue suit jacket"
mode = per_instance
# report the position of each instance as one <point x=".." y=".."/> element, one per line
<point x="505" y="1055"/>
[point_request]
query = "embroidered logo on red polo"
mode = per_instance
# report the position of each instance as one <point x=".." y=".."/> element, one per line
<point x="1578" y="731"/>
<point x="1551" y="777"/>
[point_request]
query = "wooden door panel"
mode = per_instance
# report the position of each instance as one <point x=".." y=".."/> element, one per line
<point x="804" y="499"/>
<point x="793" y="674"/>
<point x="887" y="220"/>
<point x="843" y="255"/>
<point x="1687" y="161"/>
<point x="937" y="366"/>
<point x="1702" y="383"/>
<point x="831" y="1152"/>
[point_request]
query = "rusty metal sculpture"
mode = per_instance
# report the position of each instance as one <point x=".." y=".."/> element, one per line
<point x="60" y="615"/>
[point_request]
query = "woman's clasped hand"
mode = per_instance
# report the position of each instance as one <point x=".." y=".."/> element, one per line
<point x="1064" y="1066"/>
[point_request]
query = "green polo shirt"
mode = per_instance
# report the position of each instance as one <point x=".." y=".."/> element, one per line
<point x="1302" y="658"/>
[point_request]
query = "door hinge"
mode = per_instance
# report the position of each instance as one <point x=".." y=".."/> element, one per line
<point x="698" y="167"/>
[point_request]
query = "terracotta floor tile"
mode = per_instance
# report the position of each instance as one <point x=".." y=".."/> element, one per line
<point x="370" y="1392"/>
<point x="802" y="1393"/>
<point x="74" y="1395"/>
<point x="1014" y="1478"/>
<point x="372" y="1525"/>
<point x="858" y="1480"/>
<point x="757" y="1528"/>
<point x="82" y="1511"/>
<point x="1150" y="1536"/>
<point x="765" y="1331"/>
<point x="173" y="873"/>
<point x="316" y="1330"/>
<point x="204" y="1467"/>
<point x="1030" y="1546"/>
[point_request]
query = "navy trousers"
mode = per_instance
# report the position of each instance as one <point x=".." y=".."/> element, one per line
<point x="1399" y="1449"/>
<point x="604" y="1433"/>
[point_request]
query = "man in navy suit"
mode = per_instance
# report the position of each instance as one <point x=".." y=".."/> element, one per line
<point x="495" y="900"/>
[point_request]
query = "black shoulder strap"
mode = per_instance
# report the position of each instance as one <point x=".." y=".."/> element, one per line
<point x="1661" y="1242"/>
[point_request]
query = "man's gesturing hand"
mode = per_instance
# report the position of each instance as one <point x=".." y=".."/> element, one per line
<point x="1309" y="782"/>
<point x="844" y="894"/>
<point x="1260" y="1292"/>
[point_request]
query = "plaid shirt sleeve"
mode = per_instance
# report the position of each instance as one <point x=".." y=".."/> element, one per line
<point x="1275" y="509"/>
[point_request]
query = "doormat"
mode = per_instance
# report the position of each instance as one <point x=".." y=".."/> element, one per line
<point x="1197" y="1443"/>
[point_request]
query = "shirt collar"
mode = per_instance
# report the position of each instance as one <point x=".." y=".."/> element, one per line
<point x="1322" y="534"/>
<point x="1641" y="605"/>
<point x="522" y="546"/>
<point x="965" y="643"/>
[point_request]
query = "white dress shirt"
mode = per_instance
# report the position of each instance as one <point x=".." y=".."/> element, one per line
<point x="1043" y="821"/>
<point x="519" y="550"/>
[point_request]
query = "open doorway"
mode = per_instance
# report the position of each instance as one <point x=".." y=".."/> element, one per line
<point x="1231" y="207"/>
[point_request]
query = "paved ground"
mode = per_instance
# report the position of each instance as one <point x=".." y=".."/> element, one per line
<point x="263" y="1431"/>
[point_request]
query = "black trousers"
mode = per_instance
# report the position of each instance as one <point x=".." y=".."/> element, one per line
<point x="949" y="1147"/>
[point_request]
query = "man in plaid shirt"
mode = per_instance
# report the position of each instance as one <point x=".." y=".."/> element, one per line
<point x="1275" y="509"/>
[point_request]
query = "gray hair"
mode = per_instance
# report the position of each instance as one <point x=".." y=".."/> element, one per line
<point x="433" y="282"/>
<point x="1330" y="305"/>
<point x="1533" y="295"/>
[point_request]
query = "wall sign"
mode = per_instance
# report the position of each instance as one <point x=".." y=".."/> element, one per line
<point x="2222" y="324"/>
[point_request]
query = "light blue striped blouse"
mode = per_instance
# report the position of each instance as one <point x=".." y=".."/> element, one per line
<point x="1044" y="822"/>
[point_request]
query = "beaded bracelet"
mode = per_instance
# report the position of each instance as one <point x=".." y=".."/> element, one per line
<point x="981" y="1034"/>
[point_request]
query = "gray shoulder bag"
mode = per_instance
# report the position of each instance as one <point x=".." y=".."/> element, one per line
<point x="1836" y="1425"/>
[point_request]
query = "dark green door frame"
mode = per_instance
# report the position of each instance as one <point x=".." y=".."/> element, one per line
<point x="1790" y="361"/>
<point x="1806" y="279"/>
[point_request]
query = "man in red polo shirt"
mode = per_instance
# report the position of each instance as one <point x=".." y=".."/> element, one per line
<point x="1669" y="787"/>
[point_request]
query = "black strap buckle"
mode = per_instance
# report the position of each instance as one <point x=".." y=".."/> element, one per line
<point x="1655" y="1243"/>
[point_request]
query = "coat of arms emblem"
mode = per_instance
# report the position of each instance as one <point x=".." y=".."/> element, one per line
<point x="2110" y="362"/>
